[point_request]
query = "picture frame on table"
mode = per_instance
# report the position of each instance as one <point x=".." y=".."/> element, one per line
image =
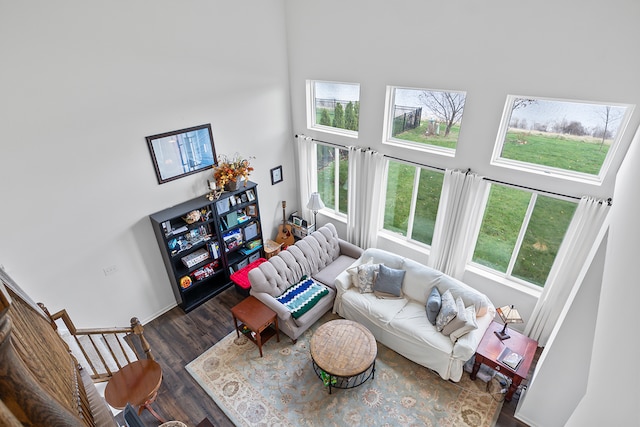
<point x="276" y="175"/>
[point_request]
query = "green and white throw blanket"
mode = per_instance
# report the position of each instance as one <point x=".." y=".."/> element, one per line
<point x="302" y="296"/>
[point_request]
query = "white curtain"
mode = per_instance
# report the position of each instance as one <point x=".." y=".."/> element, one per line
<point x="580" y="237"/>
<point x="366" y="171"/>
<point x="308" y="170"/>
<point x="461" y="203"/>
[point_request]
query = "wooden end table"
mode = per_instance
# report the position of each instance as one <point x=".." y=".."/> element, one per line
<point x="343" y="353"/>
<point x="136" y="383"/>
<point x="491" y="347"/>
<point x="258" y="318"/>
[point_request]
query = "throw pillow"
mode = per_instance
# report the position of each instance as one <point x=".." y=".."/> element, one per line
<point x="388" y="283"/>
<point x="448" y="311"/>
<point x="364" y="275"/>
<point x="469" y="325"/>
<point x="434" y="302"/>
<point x="458" y="321"/>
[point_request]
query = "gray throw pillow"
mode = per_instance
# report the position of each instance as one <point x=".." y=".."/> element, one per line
<point x="388" y="283"/>
<point x="448" y="311"/>
<point x="434" y="302"/>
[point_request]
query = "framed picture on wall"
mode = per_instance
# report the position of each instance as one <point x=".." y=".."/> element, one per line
<point x="276" y="175"/>
<point x="182" y="152"/>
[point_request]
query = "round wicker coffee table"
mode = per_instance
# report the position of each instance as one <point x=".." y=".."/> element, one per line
<point x="343" y="353"/>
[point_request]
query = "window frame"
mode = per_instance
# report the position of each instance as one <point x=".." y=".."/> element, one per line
<point x="417" y="146"/>
<point x="312" y="113"/>
<point x="335" y="210"/>
<point x="564" y="174"/>
<point x="408" y="238"/>
<point x="526" y="220"/>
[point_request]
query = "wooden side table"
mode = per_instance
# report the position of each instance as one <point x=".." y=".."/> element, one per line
<point x="258" y="318"/>
<point x="136" y="383"/>
<point x="491" y="347"/>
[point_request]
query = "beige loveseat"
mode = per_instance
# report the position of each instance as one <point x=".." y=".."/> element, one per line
<point x="402" y="323"/>
<point x="322" y="256"/>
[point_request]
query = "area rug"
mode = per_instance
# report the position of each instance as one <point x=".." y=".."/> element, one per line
<point x="282" y="389"/>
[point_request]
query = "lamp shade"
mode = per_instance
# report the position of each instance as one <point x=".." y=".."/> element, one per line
<point x="509" y="314"/>
<point x="315" y="202"/>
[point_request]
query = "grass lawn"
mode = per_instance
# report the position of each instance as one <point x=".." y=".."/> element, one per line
<point x="506" y="207"/>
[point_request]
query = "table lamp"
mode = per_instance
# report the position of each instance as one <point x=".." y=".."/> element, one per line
<point x="508" y="314"/>
<point x="315" y="204"/>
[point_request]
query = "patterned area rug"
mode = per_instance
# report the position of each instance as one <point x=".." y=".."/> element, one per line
<point x="282" y="389"/>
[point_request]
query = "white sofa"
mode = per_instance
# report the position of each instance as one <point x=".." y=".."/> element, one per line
<point x="402" y="324"/>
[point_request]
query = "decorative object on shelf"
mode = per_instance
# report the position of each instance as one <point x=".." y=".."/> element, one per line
<point x="315" y="204"/>
<point x="231" y="170"/>
<point x="508" y="314"/>
<point x="214" y="191"/>
<point x="193" y="216"/>
<point x="167" y="151"/>
<point x="276" y="175"/>
<point x="185" y="282"/>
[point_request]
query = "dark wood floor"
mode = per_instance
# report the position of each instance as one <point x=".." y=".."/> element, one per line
<point x="177" y="338"/>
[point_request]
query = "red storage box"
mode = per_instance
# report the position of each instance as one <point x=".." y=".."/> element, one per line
<point x="241" y="277"/>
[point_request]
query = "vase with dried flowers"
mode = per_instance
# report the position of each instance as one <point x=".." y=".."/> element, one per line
<point x="231" y="169"/>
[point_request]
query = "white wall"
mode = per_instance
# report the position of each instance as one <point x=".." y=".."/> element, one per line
<point x="82" y="84"/>
<point x="560" y="378"/>
<point x="612" y="390"/>
<point x="573" y="49"/>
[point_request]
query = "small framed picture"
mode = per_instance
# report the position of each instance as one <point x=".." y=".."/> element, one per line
<point x="297" y="221"/>
<point x="251" y="195"/>
<point x="276" y="175"/>
<point x="251" y="210"/>
<point x="232" y="200"/>
<point x="243" y="197"/>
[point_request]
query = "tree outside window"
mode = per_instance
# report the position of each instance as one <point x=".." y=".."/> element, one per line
<point x="425" y="118"/>
<point x="333" y="173"/>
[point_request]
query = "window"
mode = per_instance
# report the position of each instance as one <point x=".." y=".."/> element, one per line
<point x="424" y="118"/>
<point x="334" y="107"/>
<point x="521" y="233"/>
<point x="412" y="199"/>
<point x="568" y="138"/>
<point x="333" y="173"/>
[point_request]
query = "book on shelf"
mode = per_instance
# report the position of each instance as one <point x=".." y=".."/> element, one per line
<point x="510" y="358"/>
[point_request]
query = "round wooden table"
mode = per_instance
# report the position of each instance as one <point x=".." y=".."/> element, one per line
<point x="136" y="383"/>
<point x="343" y="353"/>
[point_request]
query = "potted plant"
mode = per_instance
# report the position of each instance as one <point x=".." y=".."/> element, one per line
<point x="231" y="170"/>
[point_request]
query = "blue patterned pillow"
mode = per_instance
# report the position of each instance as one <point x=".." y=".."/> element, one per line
<point x="302" y="296"/>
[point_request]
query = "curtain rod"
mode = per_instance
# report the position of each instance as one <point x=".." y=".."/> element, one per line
<point x="609" y="201"/>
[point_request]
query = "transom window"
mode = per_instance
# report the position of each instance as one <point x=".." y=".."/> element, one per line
<point x="568" y="138"/>
<point x="333" y="107"/>
<point x="424" y="119"/>
<point x="521" y="233"/>
<point x="333" y="175"/>
<point x="412" y="199"/>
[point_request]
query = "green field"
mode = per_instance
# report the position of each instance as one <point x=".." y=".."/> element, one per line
<point x="505" y="210"/>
